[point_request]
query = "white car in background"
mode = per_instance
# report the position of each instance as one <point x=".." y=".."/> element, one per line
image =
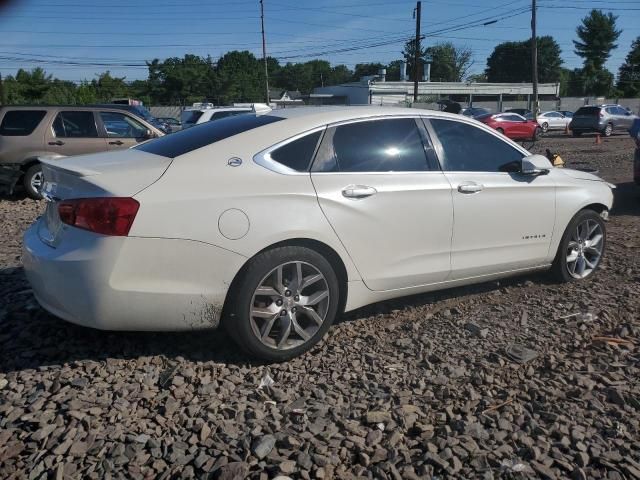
<point x="273" y="225"/>
<point x="206" y="112"/>
<point x="553" y="121"/>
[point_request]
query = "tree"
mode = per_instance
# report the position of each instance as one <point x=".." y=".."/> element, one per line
<point x="510" y="62"/>
<point x="629" y="73"/>
<point x="597" y="36"/>
<point x="408" y="53"/>
<point x="450" y="64"/>
<point x="365" y="70"/>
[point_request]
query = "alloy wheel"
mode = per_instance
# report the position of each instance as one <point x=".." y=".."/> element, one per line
<point x="289" y="306"/>
<point x="36" y="181"/>
<point x="584" y="250"/>
<point x="545" y="127"/>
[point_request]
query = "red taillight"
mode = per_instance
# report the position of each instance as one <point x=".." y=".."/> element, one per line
<point x="108" y="216"/>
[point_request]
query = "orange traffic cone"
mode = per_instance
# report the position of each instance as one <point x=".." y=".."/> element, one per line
<point x="598" y="139"/>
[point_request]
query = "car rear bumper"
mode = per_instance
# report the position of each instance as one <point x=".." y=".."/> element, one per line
<point x="130" y="283"/>
<point x="582" y="125"/>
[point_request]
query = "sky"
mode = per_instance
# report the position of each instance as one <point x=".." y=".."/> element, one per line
<point x="78" y="39"/>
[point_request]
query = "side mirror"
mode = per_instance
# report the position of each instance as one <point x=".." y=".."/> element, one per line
<point x="535" y="165"/>
<point x="149" y="134"/>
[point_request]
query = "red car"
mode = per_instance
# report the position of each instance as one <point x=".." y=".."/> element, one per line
<point x="513" y="125"/>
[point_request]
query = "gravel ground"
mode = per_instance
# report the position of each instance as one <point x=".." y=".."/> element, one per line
<point x="419" y="387"/>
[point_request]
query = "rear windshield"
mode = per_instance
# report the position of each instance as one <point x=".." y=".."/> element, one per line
<point x="19" y="123"/>
<point x="191" y="116"/>
<point x="588" y="111"/>
<point x="204" y="134"/>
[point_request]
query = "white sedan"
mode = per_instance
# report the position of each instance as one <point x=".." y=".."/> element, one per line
<point x="553" y="121"/>
<point x="273" y="225"/>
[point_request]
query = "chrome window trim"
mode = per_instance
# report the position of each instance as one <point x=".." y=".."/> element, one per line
<point x="264" y="159"/>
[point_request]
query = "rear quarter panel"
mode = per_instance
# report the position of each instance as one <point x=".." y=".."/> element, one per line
<point x="201" y="196"/>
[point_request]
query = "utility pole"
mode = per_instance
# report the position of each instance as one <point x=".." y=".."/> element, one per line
<point x="534" y="59"/>
<point x="416" y="60"/>
<point x="264" y="54"/>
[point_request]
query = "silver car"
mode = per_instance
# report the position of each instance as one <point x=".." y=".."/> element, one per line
<point x="604" y="119"/>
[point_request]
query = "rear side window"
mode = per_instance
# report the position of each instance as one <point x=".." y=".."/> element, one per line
<point x="467" y="148"/>
<point x="20" y="123"/>
<point x="204" y="134"/>
<point x="75" y="125"/>
<point x="297" y="154"/>
<point x="588" y="111"/>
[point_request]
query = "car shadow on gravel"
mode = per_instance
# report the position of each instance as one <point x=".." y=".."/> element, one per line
<point x="31" y="338"/>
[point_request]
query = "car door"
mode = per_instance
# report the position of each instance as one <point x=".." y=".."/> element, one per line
<point x="379" y="186"/>
<point x="122" y="130"/>
<point x="626" y="119"/>
<point x="74" y="132"/>
<point x="503" y="220"/>
<point x="553" y="119"/>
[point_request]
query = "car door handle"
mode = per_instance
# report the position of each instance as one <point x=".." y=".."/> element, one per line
<point x="117" y="142"/>
<point x="57" y="142"/>
<point x="358" y="191"/>
<point x="470" y="188"/>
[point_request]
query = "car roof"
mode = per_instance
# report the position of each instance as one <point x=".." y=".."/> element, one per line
<point x="333" y="114"/>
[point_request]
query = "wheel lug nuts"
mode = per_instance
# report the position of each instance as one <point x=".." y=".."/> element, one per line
<point x="279" y="302"/>
<point x="287" y="293"/>
<point x="283" y="313"/>
<point x="294" y="310"/>
<point x="297" y="298"/>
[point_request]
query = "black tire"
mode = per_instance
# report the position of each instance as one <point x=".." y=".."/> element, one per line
<point x="28" y="181"/>
<point x="576" y="133"/>
<point x="499" y="130"/>
<point x="608" y="130"/>
<point x="537" y="134"/>
<point x="237" y="318"/>
<point x="545" y="127"/>
<point x="560" y="270"/>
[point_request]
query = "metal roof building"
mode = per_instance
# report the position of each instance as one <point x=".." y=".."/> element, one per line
<point x="380" y="92"/>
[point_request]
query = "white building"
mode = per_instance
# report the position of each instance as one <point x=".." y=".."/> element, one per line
<point x="374" y="90"/>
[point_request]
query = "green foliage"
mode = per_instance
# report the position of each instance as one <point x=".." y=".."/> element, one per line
<point x="510" y="62"/>
<point x="629" y="73"/>
<point x="450" y="63"/>
<point x="597" y="36"/>
<point x="408" y="53"/>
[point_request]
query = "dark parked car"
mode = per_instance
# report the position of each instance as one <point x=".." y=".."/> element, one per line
<point x="519" y="111"/>
<point x="604" y="119"/>
<point x="635" y="134"/>
<point x="173" y="124"/>
<point x="475" y="112"/>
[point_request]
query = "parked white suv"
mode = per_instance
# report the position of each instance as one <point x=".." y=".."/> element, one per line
<point x="295" y="216"/>
<point x="206" y="112"/>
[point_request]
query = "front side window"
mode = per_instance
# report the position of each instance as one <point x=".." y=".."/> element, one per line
<point x="75" y="125"/>
<point x="119" y="125"/>
<point x="20" y="123"/>
<point x="467" y="148"/>
<point x="297" y="154"/>
<point x="393" y="145"/>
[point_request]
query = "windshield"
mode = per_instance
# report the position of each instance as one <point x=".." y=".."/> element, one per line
<point x="589" y="111"/>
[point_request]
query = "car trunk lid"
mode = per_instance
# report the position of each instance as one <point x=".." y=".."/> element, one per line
<point x="107" y="174"/>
